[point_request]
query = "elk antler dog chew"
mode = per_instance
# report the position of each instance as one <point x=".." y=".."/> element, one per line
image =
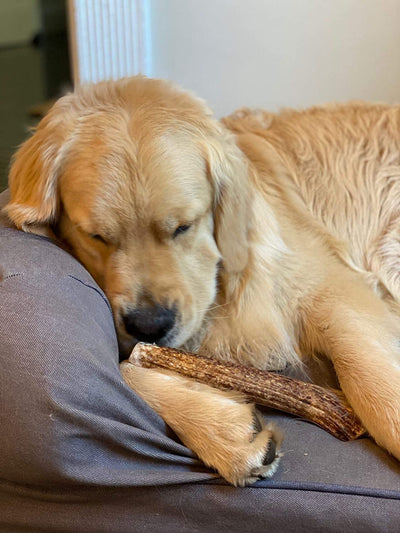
<point x="320" y="406"/>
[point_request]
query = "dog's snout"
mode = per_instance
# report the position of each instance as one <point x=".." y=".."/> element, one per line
<point x="150" y="323"/>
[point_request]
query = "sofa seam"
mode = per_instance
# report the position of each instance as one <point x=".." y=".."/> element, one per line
<point x="367" y="493"/>
<point x="90" y="286"/>
<point x="351" y="490"/>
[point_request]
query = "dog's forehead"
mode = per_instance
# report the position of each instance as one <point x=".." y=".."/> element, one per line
<point x="170" y="178"/>
<point x="146" y="177"/>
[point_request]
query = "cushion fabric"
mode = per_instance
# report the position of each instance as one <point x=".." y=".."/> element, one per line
<point x="79" y="451"/>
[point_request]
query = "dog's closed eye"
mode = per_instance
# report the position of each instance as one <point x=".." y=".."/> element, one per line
<point x="98" y="238"/>
<point x="181" y="229"/>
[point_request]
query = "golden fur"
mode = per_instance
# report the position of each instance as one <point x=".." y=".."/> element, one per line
<point x="292" y="255"/>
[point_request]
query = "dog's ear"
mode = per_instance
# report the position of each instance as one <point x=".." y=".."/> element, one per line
<point x="33" y="177"/>
<point x="229" y="176"/>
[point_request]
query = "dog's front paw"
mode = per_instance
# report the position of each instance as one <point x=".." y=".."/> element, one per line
<point x="268" y="440"/>
<point x="225" y="431"/>
<point x="256" y="458"/>
<point x="244" y="449"/>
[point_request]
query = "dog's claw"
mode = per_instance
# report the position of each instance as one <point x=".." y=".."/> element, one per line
<point x="270" y="453"/>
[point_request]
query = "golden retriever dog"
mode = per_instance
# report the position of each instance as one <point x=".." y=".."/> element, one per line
<point x="266" y="239"/>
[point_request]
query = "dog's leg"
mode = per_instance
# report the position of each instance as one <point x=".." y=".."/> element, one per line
<point x="225" y="432"/>
<point x="362" y="337"/>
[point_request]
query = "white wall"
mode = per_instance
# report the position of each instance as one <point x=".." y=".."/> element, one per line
<point x="275" y="53"/>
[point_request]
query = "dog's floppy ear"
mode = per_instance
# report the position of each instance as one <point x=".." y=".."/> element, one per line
<point x="33" y="176"/>
<point x="228" y="171"/>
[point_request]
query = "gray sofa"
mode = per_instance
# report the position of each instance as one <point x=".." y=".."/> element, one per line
<point x="79" y="451"/>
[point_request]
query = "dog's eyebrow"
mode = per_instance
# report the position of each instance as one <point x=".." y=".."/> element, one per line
<point x="185" y="218"/>
<point x="171" y="223"/>
<point x="166" y="227"/>
<point x="92" y="229"/>
<point x="182" y="215"/>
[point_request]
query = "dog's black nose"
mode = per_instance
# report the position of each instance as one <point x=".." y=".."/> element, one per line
<point x="149" y="324"/>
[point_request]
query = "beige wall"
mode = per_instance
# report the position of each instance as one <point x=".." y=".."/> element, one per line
<point x="19" y="21"/>
<point x="274" y="53"/>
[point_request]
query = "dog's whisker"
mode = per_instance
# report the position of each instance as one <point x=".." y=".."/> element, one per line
<point x="213" y="307"/>
<point x="217" y="307"/>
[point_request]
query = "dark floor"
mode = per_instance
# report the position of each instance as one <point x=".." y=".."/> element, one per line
<point x="21" y="86"/>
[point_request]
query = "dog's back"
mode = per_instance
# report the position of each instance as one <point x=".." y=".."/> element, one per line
<point x="343" y="162"/>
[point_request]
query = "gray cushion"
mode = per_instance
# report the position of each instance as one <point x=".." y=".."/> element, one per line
<point x="73" y="433"/>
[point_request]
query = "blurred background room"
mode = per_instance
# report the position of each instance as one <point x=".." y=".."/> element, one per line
<point x="261" y="53"/>
<point x="34" y="67"/>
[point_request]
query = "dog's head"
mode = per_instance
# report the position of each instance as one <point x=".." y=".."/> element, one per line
<point x="147" y="190"/>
